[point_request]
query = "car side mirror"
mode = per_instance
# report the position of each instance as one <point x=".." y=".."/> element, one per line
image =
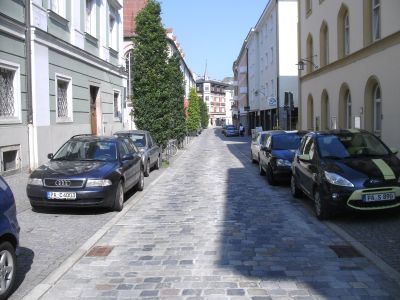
<point x="305" y="157"/>
<point x="394" y="151"/>
<point x="50" y="156"/>
<point x="127" y="157"/>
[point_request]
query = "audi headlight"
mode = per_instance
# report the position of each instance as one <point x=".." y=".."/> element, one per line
<point x="283" y="163"/>
<point x="336" y="179"/>
<point x="35" y="181"/>
<point x="98" y="182"/>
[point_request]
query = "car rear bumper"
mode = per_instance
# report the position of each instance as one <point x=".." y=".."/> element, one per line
<point x="93" y="197"/>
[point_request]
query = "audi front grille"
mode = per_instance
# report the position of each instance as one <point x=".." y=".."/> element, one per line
<point x="64" y="183"/>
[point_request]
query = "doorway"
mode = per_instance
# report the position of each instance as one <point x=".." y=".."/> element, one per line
<point x="94" y="92"/>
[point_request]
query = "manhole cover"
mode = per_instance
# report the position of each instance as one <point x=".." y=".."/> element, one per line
<point x="100" y="251"/>
<point x="344" y="251"/>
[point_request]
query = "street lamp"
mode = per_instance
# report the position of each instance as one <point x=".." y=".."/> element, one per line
<point x="300" y="65"/>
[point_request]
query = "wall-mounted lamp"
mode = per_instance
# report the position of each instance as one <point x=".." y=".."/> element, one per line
<point x="300" y="65"/>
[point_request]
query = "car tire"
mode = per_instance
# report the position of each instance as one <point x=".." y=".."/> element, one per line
<point x="147" y="169"/>
<point x="119" y="197"/>
<point x="270" y="176"/>
<point x="260" y="169"/>
<point x="8" y="265"/>
<point x="296" y="192"/>
<point x="158" y="163"/>
<point x="140" y="184"/>
<point x="321" y="207"/>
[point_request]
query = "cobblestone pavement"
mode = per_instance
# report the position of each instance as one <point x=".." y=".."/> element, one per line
<point x="211" y="228"/>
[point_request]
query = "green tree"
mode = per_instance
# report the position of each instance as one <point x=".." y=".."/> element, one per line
<point x="175" y="91"/>
<point x="203" y="114"/>
<point x="151" y="107"/>
<point x="193" y="119"/>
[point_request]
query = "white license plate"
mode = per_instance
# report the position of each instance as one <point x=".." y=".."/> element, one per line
<point x="61" y="195"/>
<point x="379" y="197"/>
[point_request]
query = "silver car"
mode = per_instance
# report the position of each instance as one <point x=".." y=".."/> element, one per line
<point x="150" y="151"/>
<point x="257" y="141"/>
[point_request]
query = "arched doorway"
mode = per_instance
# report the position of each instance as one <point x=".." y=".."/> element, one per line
<point x="325" y="112"/>
<point x="310" y="113"/>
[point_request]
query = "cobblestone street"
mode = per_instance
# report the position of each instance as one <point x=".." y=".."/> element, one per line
<point x="211" y="228"/>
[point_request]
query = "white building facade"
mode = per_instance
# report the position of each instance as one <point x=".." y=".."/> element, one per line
<point x="352" y="79"/>
<point x="272" y="57"/>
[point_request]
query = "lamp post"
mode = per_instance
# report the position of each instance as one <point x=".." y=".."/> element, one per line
<point x="300" y="64"/>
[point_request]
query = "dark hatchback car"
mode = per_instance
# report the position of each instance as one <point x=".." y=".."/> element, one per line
<point x="231" y="130"/>
<point x="150" y="151"/>
<point x="346" y="170"/>
<point x="9" y="239"/>
<point x="276" y="154"/>
<point x="88" y="171"/>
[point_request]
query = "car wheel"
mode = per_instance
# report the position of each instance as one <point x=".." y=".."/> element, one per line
<point x="119" y="198"/>
<point x="260" y="169"/>
<point x="158" y="163"/>
<point x="321" y="207"/>
<point x="270" y="176"/>
<point x="147" y="169"/>
<point x="8" y="264"/>
<point x="296" y="192"/>
<point x="140" y="184"/>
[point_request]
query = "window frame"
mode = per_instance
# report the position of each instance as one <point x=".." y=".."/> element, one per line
<point x="113" y="30"/>
<point x="119" y="106"/>
<point x="346" y="34"/>
<point x="348" y="109"/>
<point x="60" y="9"/>
<point x="377" y="118"/>
<point x="68" y="79"/>
<point x="91" y="18"/>
<point x="16" y="68"/>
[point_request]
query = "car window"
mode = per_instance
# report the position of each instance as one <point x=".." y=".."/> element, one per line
<point x="263" y="138"/>
<point x="330" y="146"/>
<point x="286" y="141"/>
<point x="268" y="142"/>
<point x="130" y="145"/>
<point x="255" y="138"/>
<point x="149" y="141"/>
<point x="138" y="139"/>
<point x="123" y="149"/>
<point x="87" y="150"/>
<point x="308" y="145"/>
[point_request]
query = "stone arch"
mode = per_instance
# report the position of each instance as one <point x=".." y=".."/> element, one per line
<point x="343" y="12"/>
<point x="324" y="44"/>
<point x="325" y="111"/>
<point x="344" y="113"/>
<point x="310" y="53"/>
<point x="370" y="105"/>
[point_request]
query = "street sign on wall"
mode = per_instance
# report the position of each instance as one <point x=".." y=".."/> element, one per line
<point x="272" y="102"/>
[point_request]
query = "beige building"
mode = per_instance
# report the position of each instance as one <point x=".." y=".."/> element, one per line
<point x="351" y="55"/>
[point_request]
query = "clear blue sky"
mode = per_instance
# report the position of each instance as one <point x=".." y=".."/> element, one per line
<point x="211" y="30"/>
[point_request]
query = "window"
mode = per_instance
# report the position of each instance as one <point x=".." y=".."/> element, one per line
<point x="59" y="7"/>
<point x="324" y="45"/>
<point x="63" y="99"/>
<point x="310" y="54"/>
<point x="376" y="20"/>
<point x="10" y="93"/>
<point x="348" y="109"/>
<point x="117" y="105"/>
<point x="112" y="38"/>
<point x="377" y="110"/>
<point x="10" y="159"/>
<point x="308" y="7"/>
<point x="346" y="34"/>
<point x="91" y="17"/>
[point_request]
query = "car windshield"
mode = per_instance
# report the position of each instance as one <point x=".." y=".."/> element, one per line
<point x="230" y="127"/>
<point x="87" y="150"/>
<point x="138" y="139"/>
<point x="350" y="145"/>
<point x="287" y="141"/>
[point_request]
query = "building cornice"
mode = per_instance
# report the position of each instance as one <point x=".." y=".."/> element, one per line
<point x="12" y="26"/>
<point x="376" y="47"/>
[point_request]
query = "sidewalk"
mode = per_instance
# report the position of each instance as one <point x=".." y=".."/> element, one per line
<point x="210" y="228"/>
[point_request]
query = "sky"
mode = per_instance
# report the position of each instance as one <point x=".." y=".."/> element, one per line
<point x="211" y="31"/>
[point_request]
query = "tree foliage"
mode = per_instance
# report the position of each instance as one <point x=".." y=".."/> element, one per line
<point x="157" y="86"/>
<point x="203" y="114"/>
<point x="193" y="119"/>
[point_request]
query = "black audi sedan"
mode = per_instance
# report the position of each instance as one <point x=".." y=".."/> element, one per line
<point x="150" y="151"/>
<point x="88" y="171"/>
<point x="276" y="154"/>
<point x="346" y="170"/>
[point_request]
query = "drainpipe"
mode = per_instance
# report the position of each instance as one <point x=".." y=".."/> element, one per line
<point x="277" y="65"/>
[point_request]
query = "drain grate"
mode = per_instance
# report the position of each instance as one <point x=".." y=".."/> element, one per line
<point x="100" y="251"/>
<point x="345" y="251"/>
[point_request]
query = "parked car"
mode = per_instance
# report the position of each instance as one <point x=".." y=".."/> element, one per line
<point x="9" y="240"/>
<point x="88" y="171"/>
<point x="150" y="151"/>
<point x="346" y="170"/>
<point x="277" y="154"/>
<point x="257" y="141"/>
<point x="231" y="130"/>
